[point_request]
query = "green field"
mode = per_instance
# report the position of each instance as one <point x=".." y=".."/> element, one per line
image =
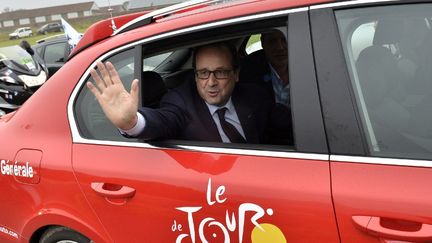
<point x="4" y="37"/>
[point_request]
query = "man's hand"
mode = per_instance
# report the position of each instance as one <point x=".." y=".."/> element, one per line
<point x="119" y="106"/>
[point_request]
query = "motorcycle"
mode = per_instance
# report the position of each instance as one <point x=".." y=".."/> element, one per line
<point x="21" y="74"/>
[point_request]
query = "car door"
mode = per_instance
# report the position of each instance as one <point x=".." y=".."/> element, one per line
<point x="54" y="55"/>
<point x="376" y="101"/>
<point x="190" y="191"/>
<point x="21" y="33"/>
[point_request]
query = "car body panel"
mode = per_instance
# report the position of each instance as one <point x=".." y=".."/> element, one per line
<point x="27" y="213"/>
<point x="376" y="199"/>
<point x="367" y="189"/>
<point x="192" y="179"/>
<point x="329" y="187"/>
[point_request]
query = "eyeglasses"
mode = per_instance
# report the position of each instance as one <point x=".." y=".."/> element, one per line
<point x="219" y="73"/>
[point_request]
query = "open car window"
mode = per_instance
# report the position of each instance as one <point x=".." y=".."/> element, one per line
<point x="166" y="65"/>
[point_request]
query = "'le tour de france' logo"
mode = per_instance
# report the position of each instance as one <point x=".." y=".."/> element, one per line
<point x="262" y="232"/>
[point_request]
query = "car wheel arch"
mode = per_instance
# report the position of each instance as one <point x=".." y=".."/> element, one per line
<point x="37" y="226"/>
<point x="50" y="230"/>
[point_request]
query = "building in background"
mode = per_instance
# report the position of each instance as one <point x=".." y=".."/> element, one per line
<point x="41" y="16"/>
<point x="134" y="5"/>
<point x="75" y="13"/>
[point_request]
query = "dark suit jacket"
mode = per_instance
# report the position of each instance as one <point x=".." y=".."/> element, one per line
<point x="255" y="69"/>
<point x="183" y="114"/>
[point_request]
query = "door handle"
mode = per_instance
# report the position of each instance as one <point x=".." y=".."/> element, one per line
<point x="396" y="229"/>
<point x="114" y="191"/>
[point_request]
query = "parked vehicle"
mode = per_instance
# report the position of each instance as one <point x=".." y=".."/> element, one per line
<point x="51" y="27"/>
<point x="359" y="170"/>
<point x="54" y="51"/>
<point x="21" y="75"/>
<point x="21" y="33"/>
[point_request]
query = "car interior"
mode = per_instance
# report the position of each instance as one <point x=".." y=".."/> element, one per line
<point x="392" y="72"/>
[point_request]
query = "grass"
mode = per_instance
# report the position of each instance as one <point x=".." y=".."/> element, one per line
<point x="253" y="39"/>
<point x="4" y="37"/>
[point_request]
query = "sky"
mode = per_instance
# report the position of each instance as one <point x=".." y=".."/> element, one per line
<point x="31" y="4"/>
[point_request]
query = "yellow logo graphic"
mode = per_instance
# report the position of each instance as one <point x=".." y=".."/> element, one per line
<point x="267" y="233"/>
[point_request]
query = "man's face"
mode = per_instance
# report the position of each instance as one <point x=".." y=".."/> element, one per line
<point x="215" y="90"/>
<point x="275" y="48"/>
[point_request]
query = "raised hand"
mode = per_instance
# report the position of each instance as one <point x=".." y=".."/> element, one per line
<point x="119" y="106"/>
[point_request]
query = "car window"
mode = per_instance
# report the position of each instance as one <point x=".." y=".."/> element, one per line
<point x="91" y="119"/>
<point x="167" y="65"/>
<point x="389" y="55"/>
<point x="39" y="50"/>
<point x="253" y="44"/>
<point x="150" y="63"/>
<point x="54" y="53"/>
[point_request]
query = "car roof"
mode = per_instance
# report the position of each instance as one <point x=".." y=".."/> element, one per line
<point x="203" y="8"/>
<point x="55" y="38"/>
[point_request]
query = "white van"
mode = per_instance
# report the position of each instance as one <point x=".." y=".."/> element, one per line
<point x="20" y="33"/>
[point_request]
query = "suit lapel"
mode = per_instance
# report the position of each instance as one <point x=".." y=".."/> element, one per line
<point x="247" y="118"/>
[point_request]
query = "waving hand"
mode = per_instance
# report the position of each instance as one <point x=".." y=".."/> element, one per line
<point x="119" y="105"/>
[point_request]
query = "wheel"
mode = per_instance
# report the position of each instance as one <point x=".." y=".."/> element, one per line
<point x="45" y="32"/>
<point x="58" y="234"/>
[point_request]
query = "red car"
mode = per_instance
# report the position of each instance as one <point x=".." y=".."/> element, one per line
<point x="359" y="169"/>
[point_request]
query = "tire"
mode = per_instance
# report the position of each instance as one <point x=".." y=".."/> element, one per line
<point x="59" y="234"/>
<point x="45" y="32"/>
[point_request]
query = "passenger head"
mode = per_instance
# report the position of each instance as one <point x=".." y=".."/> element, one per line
<point x="275" y="48"/>
<point x="26" y="46"/>
<point x="415" y="31"/>
<point x="216" y="72"/>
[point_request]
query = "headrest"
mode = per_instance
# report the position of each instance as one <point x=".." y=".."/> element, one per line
<point x="377" y="72"/>
<point x="153" y="88"/>
<point x="388" y="31"/>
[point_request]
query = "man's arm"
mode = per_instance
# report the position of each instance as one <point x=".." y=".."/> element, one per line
<point x="119" y="106"/>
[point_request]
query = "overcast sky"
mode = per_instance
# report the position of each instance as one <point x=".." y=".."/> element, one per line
<point x="31" y="4"/>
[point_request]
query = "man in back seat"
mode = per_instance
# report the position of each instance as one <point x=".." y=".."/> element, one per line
<point x="269" y="67"/>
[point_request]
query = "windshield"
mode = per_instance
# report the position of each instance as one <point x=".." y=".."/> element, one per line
<point x="15" y="57"/>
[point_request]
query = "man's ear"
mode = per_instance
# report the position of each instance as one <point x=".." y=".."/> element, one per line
<point x="237" y="74"/>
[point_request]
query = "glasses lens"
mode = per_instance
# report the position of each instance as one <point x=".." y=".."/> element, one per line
<point x="203" y="74"/>
<point x="221" y="74"/>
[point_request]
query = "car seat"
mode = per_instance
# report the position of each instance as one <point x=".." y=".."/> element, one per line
<point x="254" y="69"/>
<point x="153" y="89"/>
<point x="379" y="81"/>
<point x="390" y="119"/>
<point x="409" y="38"/>
<point x="388" y="31"/>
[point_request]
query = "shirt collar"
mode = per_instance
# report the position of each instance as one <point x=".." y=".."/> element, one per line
<point x="274" y="71"/>
<point x="277" y="75"/>
<point x="213" y="108"/>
